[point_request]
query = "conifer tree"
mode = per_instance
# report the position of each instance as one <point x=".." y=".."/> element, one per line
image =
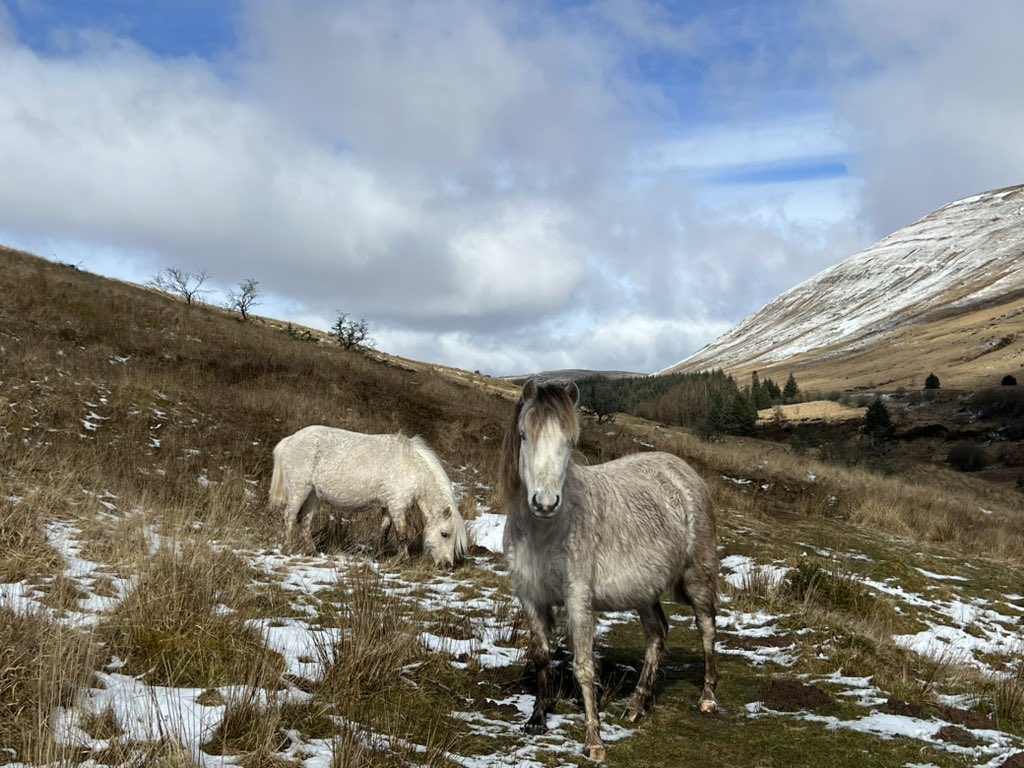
<point x="877" y="421"/>
<point x="759" y="393"/>
<point x="791" y="390"/>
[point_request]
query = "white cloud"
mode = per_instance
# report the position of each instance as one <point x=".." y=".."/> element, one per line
<point x="520" y="260"/>
<point x="929" y="94"/>
<point x="499" y="186"/>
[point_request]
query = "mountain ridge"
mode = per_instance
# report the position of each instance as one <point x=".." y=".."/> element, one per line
<point x="912" y="290"/>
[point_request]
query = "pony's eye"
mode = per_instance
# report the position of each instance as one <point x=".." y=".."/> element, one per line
<point x="445" y="534"/>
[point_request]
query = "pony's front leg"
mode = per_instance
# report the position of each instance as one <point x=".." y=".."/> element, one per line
<point x="402" y="532"/>
<point x="579" y="609"/>
<point x="542" y="622"/>
<point x="385" y="529"/>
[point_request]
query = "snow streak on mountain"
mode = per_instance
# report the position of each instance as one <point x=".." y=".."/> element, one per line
<point x="962" y="256"/>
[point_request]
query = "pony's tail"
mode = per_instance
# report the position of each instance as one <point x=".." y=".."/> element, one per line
<point x="278" y="484"/>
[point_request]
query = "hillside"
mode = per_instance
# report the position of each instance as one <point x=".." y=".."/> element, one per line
<point x="148" y="616"/>
<point x="944" y="294"/>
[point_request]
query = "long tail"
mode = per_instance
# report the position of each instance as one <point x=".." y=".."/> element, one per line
<point x="278" y="483"/>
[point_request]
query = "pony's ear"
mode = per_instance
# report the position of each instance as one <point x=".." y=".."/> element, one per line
<point x="530" y="389"/>
<point x="447" y="513"/>
<point x="573" y="390"/>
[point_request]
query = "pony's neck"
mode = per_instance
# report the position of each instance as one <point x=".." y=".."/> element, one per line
<point x="435" y="493"/>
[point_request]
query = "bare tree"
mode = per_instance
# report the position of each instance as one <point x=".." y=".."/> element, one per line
<point x="245" y="298"/>
<point x="175" y="280"/>
<point x="352" y="334"/>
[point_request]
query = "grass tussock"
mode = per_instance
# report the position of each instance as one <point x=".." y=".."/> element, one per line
<point x="380" y="678"/>
<point x="175" y="628"/>
<point x="156" y="754"/>
<point x="26" y="551"/>
<point x="1008" y="698"/>
<point x="42" y="666"/>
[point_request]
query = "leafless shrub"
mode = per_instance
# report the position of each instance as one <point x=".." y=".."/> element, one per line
<point x="187" y="285"/>
<point x="244" y="298"/>
<point x="352" y="334"/>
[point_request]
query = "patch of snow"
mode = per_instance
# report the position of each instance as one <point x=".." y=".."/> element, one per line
<point x="487" y="530"/>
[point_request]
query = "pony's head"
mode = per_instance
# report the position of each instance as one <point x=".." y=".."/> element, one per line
<point x="539" y="445"/>
<point x="444" y="531"/>
<point x="444" y="537"/>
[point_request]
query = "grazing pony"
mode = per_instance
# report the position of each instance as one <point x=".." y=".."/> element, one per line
<point x="353" y="471"/>
<point x="609" y="537"/>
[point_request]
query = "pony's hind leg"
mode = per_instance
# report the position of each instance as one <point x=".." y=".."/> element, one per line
<point x="655" y="625"/>
<point x="699" y="591"/>
<point x="291" y="514"/>
<point x="706" y="625"/>
<point x="301" y="515"/>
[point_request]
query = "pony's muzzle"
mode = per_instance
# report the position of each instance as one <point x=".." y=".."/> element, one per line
<point x="543" y="505"/>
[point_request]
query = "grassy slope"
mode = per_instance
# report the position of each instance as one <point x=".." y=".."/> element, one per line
<point x="125" y="413"/>
<point x="967" y="351"/>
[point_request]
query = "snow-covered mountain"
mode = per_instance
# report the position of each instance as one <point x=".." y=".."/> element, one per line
<point x="951" y="283"/>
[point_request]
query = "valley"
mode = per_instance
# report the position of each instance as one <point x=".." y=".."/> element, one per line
<point x="149" y="617"/>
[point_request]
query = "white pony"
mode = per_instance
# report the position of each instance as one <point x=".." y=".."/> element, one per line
<point x="353" y="471"/>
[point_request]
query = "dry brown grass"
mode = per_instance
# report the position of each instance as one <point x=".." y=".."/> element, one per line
<point x="26" y="551"/>
<point x="187" y="406"/>
<point x="813" y="410"/>
<point x="171" y="629"/>
<point x="42" y="666"/>
<point x="930" y="504"/>
<point x="966" y="351"/>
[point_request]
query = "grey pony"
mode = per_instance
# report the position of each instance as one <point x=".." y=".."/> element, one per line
<point x="608" y="537"/>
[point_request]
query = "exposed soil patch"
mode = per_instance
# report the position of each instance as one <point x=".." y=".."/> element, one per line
<point x="954" y="734"/>
<point x="905" y="708"/>
<point x="962" y="717"/>
<point x="965" y="717"/>
<point x="1014" y="761"/>
<point x="483" y="704"/>
<point x="768" y="641"/>
<point x="791" y="696"/>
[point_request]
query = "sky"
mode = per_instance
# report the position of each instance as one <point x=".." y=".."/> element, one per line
<point x="500" y="186"/>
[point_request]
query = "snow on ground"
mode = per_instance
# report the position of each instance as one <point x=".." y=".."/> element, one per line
<point x="958" y="627"/>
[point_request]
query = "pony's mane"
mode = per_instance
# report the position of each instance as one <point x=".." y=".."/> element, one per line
<point x="547" y="401"/>
<point x="434" y="465"/>
<point x="436" y="468"/>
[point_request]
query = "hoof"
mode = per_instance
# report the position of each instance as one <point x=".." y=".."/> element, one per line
<point x="595" y="752"/>
<point x="708" y="706"/>
<point x="632" y="714"/>
<point x="535" y="729"/>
